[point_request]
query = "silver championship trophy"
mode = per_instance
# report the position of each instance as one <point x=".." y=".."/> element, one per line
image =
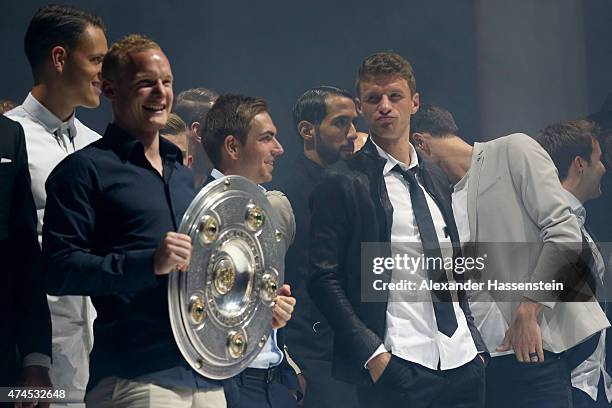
<point x="221" y="308"/>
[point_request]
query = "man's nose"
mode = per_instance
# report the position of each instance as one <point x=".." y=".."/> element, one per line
<point x="278" y="148"/>
<point x="159" y="88"/>
<point x="352" y="133"/>
<point x="384" y="106"/>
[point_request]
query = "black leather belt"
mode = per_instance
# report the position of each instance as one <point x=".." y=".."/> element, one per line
<point x="262" y="374"/>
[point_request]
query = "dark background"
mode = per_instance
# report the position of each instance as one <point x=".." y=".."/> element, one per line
<point x="500" y="66"/>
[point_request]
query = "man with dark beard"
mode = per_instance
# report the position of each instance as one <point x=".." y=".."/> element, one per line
<point x="324" y="119"/>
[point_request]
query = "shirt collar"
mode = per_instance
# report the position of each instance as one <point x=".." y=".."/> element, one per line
<point x="216" y="174"/>
<point x="392" y="161"/>
<point x="312" y="169"/>
<point x="45" y="117"/>
<point x="123" y="144"/>
<point x="462" y="183"/>
<point x="576" y="207"/>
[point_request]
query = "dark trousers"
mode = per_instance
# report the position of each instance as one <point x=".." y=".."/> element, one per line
<point x="410" y="385"/>
<point x="323" y="391"/>
<point x="511" y="384"/>
<point x="582" y="399"/>
<point x="258" y="389"/>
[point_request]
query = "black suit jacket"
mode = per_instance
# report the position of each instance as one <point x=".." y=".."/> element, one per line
<point x="25" y="323"/>
<point x="308" y="334"/>
<point x="348" y="207"/>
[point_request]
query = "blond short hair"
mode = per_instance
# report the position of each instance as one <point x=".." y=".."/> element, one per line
<point x="118" y="55"/>
<point x="174" y="126"/>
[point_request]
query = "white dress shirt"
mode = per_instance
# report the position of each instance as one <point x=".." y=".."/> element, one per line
<point x="586" y="376"/>
<point x="487" y="316"/>
<point x="270" y="354"/>
<point x="49" y="141"/>
<point x="460" y="208"/>
<point x="411" y="332"/>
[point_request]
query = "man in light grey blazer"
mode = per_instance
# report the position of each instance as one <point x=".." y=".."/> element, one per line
<point x="510" y="205"/>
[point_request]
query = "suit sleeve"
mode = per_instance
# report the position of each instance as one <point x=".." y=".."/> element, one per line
<point x="285" y="215"/>
<point x="34" y="323"/>
<point x="535" y="177"/>
<point x="72" y="263"/>
<point x="330" y="236"/>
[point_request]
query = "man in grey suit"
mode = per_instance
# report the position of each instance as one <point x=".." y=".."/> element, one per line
<point x="507" y="191"/>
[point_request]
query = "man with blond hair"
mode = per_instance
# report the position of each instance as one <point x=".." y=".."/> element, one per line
<point x="112" y="210"/>
<point x="175" y="131"/>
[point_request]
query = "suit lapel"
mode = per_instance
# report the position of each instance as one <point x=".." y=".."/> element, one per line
<point x="478" y="157"/>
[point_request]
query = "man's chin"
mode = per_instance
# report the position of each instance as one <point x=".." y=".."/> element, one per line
<point x="384" y="133"/>
<point x="92" y="102"/>
<point x="265" y="178"/>
<point x="158" y="122"/>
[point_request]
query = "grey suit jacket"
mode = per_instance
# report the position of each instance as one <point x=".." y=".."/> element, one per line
<point x="284" y="217"/>
<point x="514" y="196"/>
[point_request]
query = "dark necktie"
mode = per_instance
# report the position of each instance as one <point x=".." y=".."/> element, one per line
<point x="442" y="301"/>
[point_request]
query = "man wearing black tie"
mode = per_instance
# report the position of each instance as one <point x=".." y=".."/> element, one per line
<point x="417" y="354"/>
<point x="576" y="152"/>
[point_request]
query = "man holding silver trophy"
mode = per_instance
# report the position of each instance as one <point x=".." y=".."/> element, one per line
<point x="240" y="138"/>
<point x="109" y="233"/>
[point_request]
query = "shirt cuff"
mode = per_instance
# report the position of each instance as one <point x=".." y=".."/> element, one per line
<point x="381" y="349"/>
<point x="37" y="359"/>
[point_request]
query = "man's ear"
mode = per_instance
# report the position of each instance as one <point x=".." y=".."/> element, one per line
<point x="358" y="106"/>
<point x="195" y="131"/>
<point x="108" y="89"/>
<point x="231" y="147"/>
<point x="306" y="130"/>
<point x="579" y="164"/>
<point x="416" y="102"/>
<point x="419" y="141"/>
<point x="58" y="58"/>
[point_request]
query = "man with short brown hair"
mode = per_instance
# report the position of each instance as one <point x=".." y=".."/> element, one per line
<point x="398" y="352"/>
<point x="575" y="149"/>
<point x="509" y="202"/>
<point x="192" y="105"/>
<point x="241" y="139"/>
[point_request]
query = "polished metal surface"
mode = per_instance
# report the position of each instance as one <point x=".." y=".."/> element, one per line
<point x="221" y="308"/>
